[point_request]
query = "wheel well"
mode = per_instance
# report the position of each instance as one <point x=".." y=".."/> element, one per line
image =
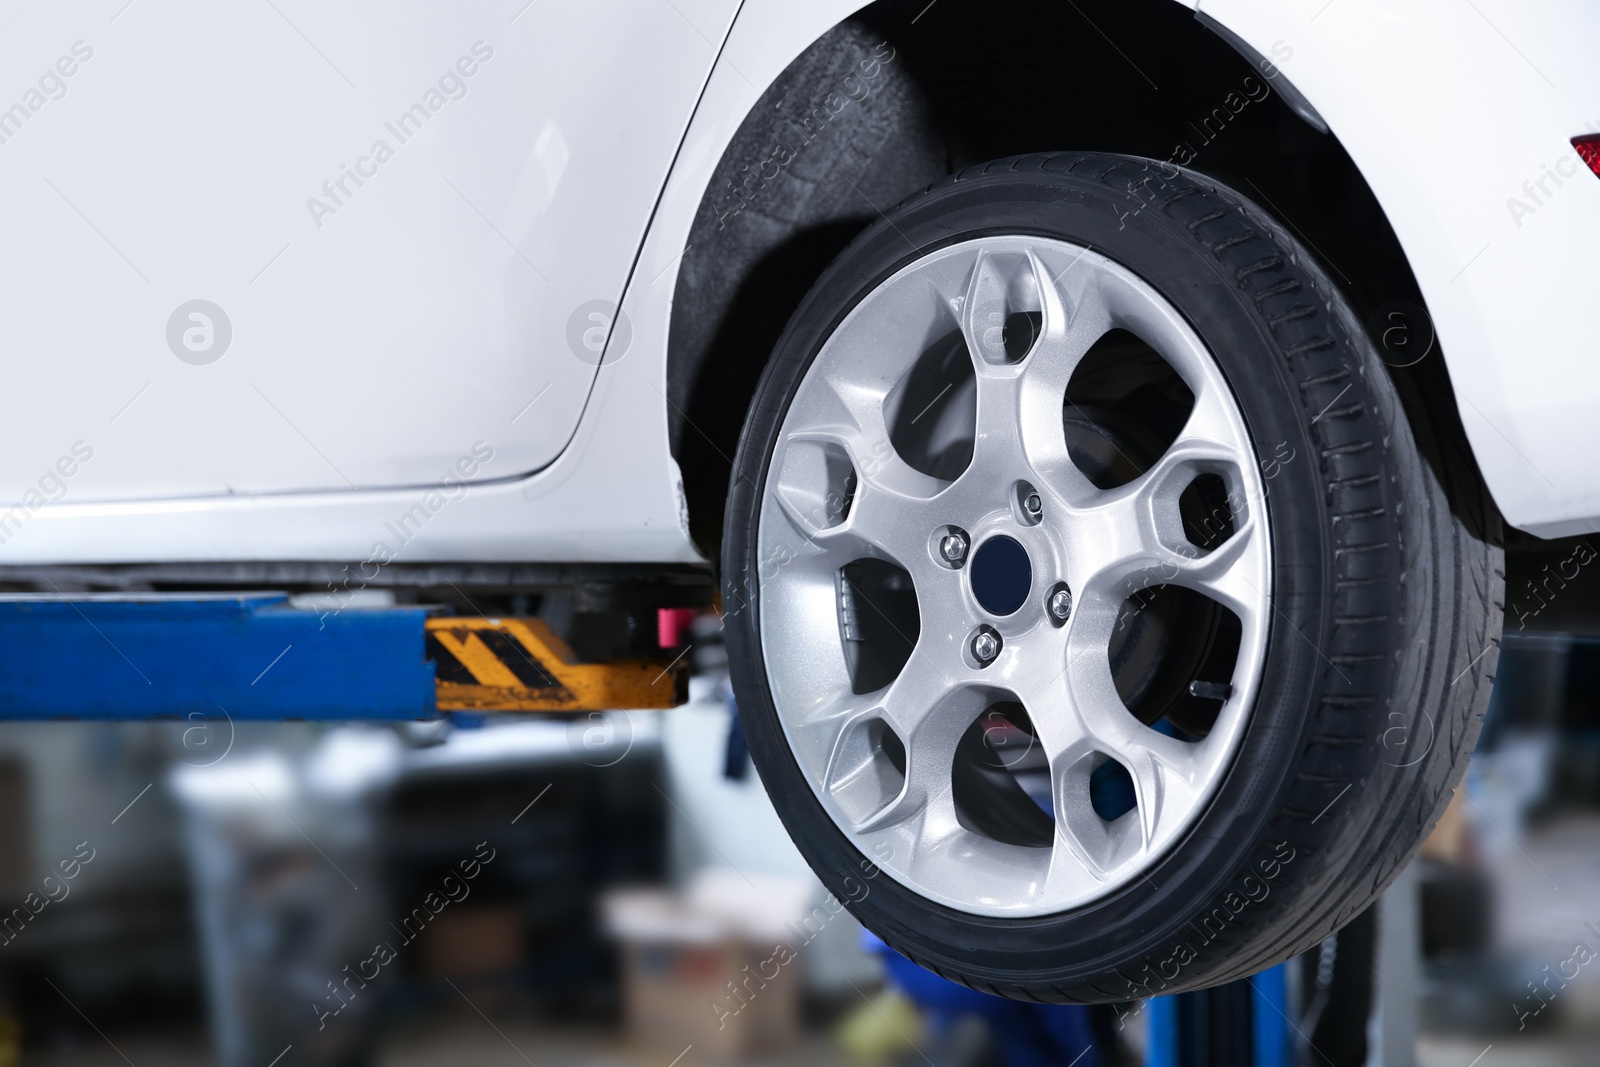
<point x="904" y="93"/>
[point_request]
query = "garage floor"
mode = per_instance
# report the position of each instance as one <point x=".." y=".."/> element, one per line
<point x="451" y="1042"/>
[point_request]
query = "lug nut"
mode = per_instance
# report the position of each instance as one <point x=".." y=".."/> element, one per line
<point x="1061" y="604"/>
<point x="954" y="547"/>
<point x="1033" y="505"/>
<point x="986" y="646"/>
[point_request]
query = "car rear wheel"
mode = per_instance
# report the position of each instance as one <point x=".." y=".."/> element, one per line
<point x="1096" y="627"/>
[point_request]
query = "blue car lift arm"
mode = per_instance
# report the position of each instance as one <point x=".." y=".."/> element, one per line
<point x="255" y="656"/>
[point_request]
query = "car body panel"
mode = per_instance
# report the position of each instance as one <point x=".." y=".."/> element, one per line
<point x="404" y="204"/>
<point x="1455" y="114"/>
<point x="1441" y="121"/>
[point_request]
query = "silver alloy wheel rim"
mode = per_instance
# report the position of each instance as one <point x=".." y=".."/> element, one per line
<point x="1103" y="544"/>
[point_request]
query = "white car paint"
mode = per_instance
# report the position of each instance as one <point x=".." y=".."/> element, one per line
<point x="403" y="204"/>
<point x="428" y="334"/>
<point x="1455" y="111"/>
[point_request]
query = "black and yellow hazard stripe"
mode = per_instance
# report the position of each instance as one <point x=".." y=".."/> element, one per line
<point x="522" y="665"/>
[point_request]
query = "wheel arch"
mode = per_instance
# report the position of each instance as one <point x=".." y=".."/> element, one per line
<point x="901" y="93"/>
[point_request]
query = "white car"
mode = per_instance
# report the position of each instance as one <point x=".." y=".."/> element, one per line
<point x="1100" y="417"/>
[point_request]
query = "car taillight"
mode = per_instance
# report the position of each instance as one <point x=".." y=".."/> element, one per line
<point x="1588" y="147"/>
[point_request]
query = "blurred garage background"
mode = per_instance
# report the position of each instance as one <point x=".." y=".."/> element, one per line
<point x="616" y="889"/>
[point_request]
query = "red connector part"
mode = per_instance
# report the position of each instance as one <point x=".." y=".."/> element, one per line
<point x="1588" y="147"/>
<point x="672" y="626"/>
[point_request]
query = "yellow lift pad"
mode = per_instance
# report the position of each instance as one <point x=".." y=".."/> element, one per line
<point x="522" y="665"/>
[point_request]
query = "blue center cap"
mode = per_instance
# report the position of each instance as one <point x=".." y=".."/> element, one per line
<point x="1001" y="575"/>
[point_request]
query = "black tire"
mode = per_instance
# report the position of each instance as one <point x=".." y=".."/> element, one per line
<point x="1385" y="629"/>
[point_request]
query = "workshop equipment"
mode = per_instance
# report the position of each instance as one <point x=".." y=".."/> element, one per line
<point x="1240" y="1024"/>
<point x="256" y="656"/>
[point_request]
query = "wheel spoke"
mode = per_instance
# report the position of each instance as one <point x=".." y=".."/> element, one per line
<point x="1063" y="734"/>
<point x="1233" y="574"/>
<point x="1139" y="539"/>
<point x="881" y="508"/>
<point x="813" y="480"/>
<point x="853" y="418"/>
<point x="1000" y="282"/>
<point x="928" y="709"/>
<point x="897" y="523"/>
<point x="1070" y="311"/>
<point x="1074" y="319"/>
<point x="859" y="774"/>
<point x="1021" y="391"/>
<point x="1080" y="721"/>
<point x="1163" y="770"/>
